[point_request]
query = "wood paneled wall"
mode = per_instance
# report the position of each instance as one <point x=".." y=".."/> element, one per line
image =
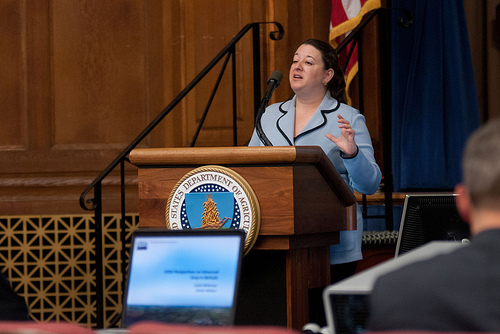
<point x="81" y="79"/>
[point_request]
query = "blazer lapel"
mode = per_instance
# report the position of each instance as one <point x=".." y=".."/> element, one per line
<point x="286" y="122"/>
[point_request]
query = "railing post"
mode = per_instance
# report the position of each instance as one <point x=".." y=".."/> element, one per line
<point x="123" y="225"/>
<point x="235" y="102"/>
<point x="99" y="284"/>
<point x="386" y="103"/>
<point x="256" y="69"/>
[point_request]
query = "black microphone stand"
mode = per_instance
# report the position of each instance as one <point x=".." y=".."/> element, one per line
<point x="258" y="125"/>
<point x="273" y="83"/>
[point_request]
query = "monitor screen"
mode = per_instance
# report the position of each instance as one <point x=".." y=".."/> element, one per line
<point x="428" y="217"/>
<point x="350" y="312"/>
<point x="183" y="276"/>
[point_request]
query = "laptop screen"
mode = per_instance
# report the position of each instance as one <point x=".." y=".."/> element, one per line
<point x="183" y="276"/>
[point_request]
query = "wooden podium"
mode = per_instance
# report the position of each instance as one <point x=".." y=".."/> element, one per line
<point x="303" y="203"/>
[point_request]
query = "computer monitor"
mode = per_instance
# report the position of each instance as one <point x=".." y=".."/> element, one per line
<point x="428" y="217"/>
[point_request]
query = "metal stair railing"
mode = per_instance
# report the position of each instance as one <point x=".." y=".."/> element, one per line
<point x="95" y="203"/>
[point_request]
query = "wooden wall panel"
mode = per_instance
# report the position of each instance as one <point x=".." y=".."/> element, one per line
<point x="81" y="79"/>
<point x="100" y="76"/>
<point x="13" y="133"/>
<point x="205" y="36"/>
<point x="170" y="55"/>
<point x="84" y="83"/>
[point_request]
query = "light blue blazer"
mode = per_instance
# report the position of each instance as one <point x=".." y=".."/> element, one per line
<point x="361" y="173"/>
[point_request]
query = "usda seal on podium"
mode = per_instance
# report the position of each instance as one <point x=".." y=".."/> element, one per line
<point x="214" y="197"/>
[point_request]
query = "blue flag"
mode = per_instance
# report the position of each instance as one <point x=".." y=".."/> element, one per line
<point x="434" y="98"/>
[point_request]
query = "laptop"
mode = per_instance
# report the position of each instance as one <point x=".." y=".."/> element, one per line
<point x="183" y="276"/>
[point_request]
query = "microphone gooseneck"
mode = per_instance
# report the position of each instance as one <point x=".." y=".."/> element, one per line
<point x="272" y="83"/>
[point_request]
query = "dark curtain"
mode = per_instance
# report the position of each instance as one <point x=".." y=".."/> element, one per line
<point x="434" y="99"/>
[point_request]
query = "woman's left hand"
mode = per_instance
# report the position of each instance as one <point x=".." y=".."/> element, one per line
<point x="345" y="141"/>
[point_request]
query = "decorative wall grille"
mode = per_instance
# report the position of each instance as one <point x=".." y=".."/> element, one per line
<point x="50" y="262"/>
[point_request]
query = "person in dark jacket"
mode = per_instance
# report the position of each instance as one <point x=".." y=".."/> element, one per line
<point x="459" y="291"/>
<point x="12" y="306"/>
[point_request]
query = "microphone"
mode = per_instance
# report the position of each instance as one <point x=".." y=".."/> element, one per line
<point x="272" y="83"/>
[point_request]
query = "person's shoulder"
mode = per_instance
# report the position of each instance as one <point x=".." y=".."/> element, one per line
<point x="332" y="104"/>
<point x="348" y="108"/>
<point x="404" y="273"/>
<point x="433" y="269"/>
<point x="351" y="114"/>
<point x="343" y="109"/>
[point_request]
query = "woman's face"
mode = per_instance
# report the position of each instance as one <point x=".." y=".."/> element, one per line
<point x="307" y="73"/>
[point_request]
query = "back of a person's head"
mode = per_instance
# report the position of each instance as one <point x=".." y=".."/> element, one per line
<point x="481" y="165"/>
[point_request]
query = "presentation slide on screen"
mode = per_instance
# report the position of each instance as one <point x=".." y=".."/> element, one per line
<point x="184" y="272"/>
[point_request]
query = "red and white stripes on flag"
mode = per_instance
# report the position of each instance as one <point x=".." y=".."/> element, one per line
<point x="346" y="15"/>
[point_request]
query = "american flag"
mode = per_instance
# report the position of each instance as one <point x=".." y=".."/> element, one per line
<point x="346" y="15"/>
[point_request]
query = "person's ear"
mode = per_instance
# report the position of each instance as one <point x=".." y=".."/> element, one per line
<point x="328" y="75"/>
<point x="463" y="202"/>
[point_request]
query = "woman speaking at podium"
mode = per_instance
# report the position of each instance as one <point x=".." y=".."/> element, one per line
<point x="317" y="115"/>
